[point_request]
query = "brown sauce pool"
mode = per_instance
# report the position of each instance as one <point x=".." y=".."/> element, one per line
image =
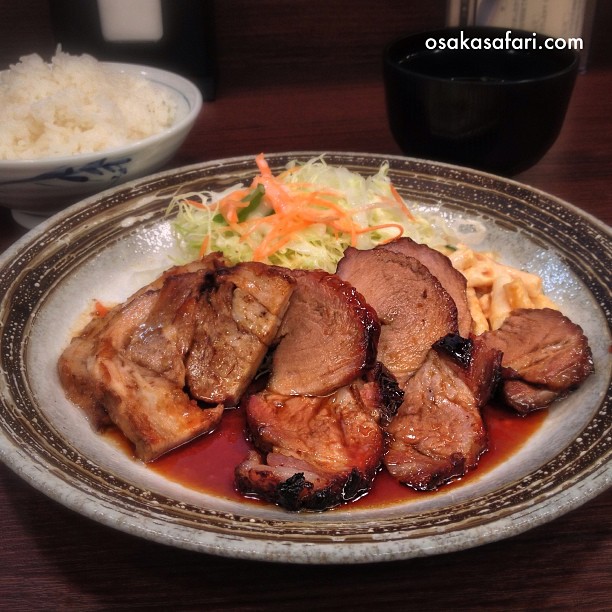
<point x="207" y="463"/>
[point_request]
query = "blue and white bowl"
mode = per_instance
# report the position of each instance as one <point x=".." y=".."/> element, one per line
<point x="36" y="189"/>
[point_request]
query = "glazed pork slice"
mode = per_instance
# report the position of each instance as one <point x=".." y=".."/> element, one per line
<point x="205" y="265"/>
<point x="545" y="356"/>
<point x="139" y="321"/>
<point x="139" y="341"/>
<point x="236" y="320"/>
<point x="154" y="413"/>
<point x="525" y="398"/>
<point x="161" y="342"/>
<point x="390" y="392"/>
<point x="314" y="452"/>
<point x="328" y="337"/>
<point x="413" y="308"/>
<point x="441" y="267"/>
<point x="78" y="364"/>
<point x="438" y="433"/>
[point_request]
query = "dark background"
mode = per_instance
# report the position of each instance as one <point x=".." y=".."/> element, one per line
<point x="262" y="42"/>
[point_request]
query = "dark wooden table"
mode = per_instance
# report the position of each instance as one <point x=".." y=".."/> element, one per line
<point x="54" y="559"/>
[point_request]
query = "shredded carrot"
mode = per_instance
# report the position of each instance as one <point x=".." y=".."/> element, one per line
<point x="204" y="247"/>
<point x="397" y="226"/>
<point x="196" y="204"/>
<point x="400" y="201"/>
<point x="263" y="165"/>
<point x="293" y="207"/>
<point x="231" y="205"/>
<point x="100" y="309"/>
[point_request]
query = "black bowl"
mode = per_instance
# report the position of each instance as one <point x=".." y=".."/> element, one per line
<point x="497" y="109"/>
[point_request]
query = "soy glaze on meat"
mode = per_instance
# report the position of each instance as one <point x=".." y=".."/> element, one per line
<point x="340" y="375"/>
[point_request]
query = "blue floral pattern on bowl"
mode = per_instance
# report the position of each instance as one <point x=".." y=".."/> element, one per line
<point x="110" y="169"/>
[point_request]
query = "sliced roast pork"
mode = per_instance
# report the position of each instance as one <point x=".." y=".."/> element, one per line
<point x="524" y="397"/>
<point x="545" y="355"/>
<point x="205" y="265"/>
<point x="78" y="364"/>
<point x="236" y="320"/>
<point x="391" y="394"/>
<point x="146" y="322"/>
<point x="413" y="308"/>
<point x="438" y="433"/>
<point x="152" y="411"/>
<point x="161" y="342"/>
<point x="328" y="337"/>
<point x="314" y="452"/>
<point x="441" y="267"/>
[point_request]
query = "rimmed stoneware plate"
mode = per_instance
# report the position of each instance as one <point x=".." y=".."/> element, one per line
<point x="109" y="245"/>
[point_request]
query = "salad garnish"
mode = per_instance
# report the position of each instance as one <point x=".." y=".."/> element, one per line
<point x="303" y="217"/>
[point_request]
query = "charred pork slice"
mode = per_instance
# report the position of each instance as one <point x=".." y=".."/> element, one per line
<point x="438" y="433"/>
<point x="236" y="320"/>
<point x="137" y="321"/>
<point x="206" y="265"/>
<point x="525" y="398"/>
<point x="441" y="267"/>
<point x="390" y="392"/>
<point x="413" y="308"/>
<point x="161" y="342"/>
<point x="151" y="411"/>
<point x="316" y="452"/>
<point x="78" y="364"/>
<point x="328" y="337"/>
<point x="545" y="356"/>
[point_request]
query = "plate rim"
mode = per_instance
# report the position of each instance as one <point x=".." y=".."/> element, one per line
<point x="570" y="498"/>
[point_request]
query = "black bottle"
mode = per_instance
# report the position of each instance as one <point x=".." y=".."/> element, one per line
<point x="176" y="35"/>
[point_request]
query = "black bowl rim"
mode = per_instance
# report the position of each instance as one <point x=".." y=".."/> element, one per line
<point x="491" y="31"/>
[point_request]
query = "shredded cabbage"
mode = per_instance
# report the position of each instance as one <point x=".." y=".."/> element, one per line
<point x="238" y="221"/>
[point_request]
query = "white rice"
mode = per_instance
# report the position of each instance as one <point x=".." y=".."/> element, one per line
<point x="75" y="104"/>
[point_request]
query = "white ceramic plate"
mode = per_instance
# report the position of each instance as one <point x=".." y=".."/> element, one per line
<point x="109" y="245"/>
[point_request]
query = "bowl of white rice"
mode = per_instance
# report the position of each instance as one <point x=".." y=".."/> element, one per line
<point x="74" y="126"/>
